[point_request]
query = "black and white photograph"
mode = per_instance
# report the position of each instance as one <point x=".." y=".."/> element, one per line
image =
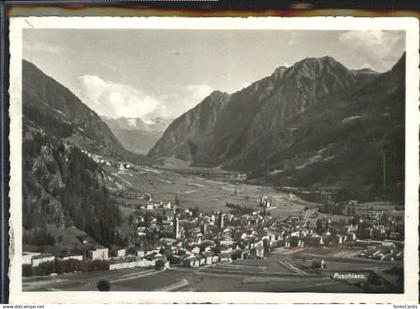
<point x="219" y="159"/>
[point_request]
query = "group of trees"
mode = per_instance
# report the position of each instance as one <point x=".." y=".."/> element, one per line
<point x="67" y="266"/>
<point x="160" y="264"/>
<point x="38" y="237"/>
<point x="322" y="225"/>
<point x="87" y="201"/>
<point x="78" y="198"/>
<point x="44" y="119"/>
<point x="37" y="183"/>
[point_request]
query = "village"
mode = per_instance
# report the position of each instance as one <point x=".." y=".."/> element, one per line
<point x="256" y="227"/>
<point x="165" y="235"/>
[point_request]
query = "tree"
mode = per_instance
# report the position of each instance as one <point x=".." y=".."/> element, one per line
<point x="103" y="285"/>
<point x="160" y="264"/>
<point x="195" y="211"/>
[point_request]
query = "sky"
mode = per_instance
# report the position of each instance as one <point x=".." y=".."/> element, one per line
<point x="150" y="73"/>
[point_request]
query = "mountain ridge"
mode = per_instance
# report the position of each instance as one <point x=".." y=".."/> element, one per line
<point x="53" y="108"/>
<point x="270" y="124"/>
<point x="244" y="103"/>
<point x="197" y="120"/>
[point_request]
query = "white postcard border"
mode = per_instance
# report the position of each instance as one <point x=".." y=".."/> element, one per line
<point x="409" y="25"/>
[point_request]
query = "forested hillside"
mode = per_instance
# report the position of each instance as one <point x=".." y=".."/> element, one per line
<point x="64" y="187"/>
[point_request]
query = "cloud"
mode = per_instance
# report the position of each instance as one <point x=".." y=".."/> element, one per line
<point x="380" y="49"/>
<point x="42" y="47"/>
<point x="294" y="39"/>
<point x="245" y="85"/>
<point x="115" y="100"/>
<point x="176" y="102"/>
<point x="198" y="92"/>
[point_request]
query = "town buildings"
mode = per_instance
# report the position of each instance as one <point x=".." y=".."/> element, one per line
<point x="165" y="235"/>
<point x="98" y="254"/>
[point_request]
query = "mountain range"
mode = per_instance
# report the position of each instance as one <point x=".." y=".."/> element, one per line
<point x="315" y="124"/>
<point x="136" y="134"/>
<point x="62" y="185"/>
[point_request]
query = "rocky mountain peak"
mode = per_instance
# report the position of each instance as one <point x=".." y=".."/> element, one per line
<point x="318" y="66"/>
<point x="181" y="133"/>
<point x="218" y="95"/>
<point x="278" y="73"/>
<point x="225" y="118"/>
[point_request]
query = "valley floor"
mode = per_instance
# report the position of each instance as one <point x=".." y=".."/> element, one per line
<point x="207" y="193"/>
<point x="283" y="271"/>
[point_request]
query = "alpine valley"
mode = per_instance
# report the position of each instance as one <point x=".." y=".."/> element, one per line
<point x="63" y="187"/>
<point x="136" y="134"/>
<point x="314" y="125"/>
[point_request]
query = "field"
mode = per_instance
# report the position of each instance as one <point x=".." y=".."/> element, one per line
<point x="238" y="276"/>
<point x="207" y="193"/>
<point x="338" y="260"/>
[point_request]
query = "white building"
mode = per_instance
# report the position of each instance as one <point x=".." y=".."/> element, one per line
<point x="27" y="257"/>
<point x="259" y="249"/>
<point x="98" y="254"/>
<point x="36" y="260"/>
<point x="73" y="257"/>
<point x="120" y="253"/>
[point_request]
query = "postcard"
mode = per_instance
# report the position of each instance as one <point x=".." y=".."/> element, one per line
<point x="214" y="160"/>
